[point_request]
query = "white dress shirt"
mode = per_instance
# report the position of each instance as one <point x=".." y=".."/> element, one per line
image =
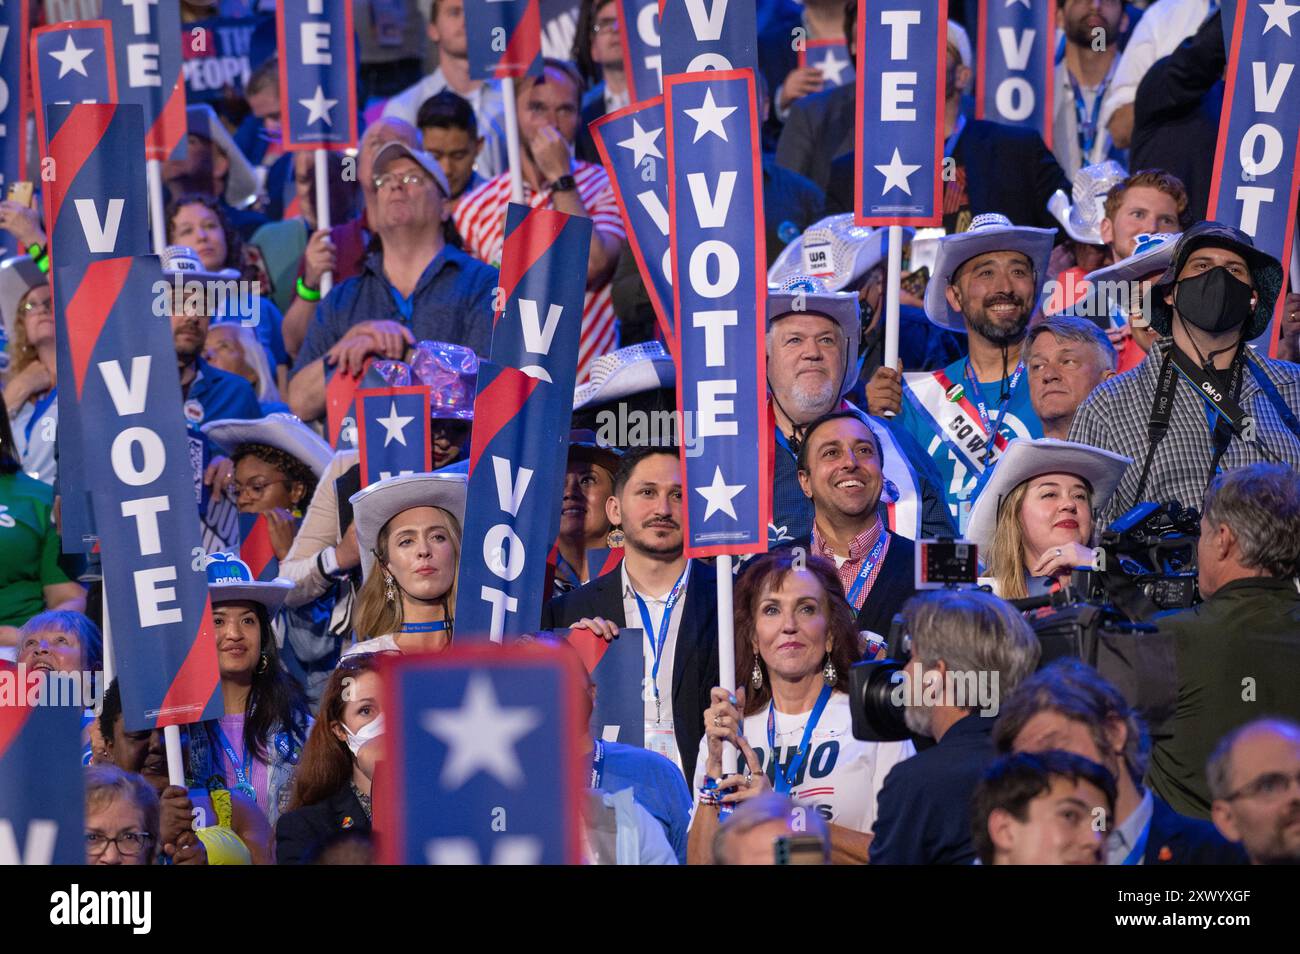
<point x="659" y="729"/>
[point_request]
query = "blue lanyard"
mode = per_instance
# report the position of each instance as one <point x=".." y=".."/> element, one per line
<point x="657" y="645"/>
<point x="597" y="764"/>
<point x="868" y="565"/>
<point x="785" y="779"/>
<point x="1087" y="130"/>
<point x="950" y="143"/>
<point x="1140" y="847"/>
<point x="244" y="770"/>
<point x="977" y="398"/>
<point x="784" y="442"/>
<point x="435" y="627"/>
<point x="37" y="411"/>
<point x="405" y="306"/>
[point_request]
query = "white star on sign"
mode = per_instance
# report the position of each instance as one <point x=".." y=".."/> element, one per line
<point x="642" y="143"/>
<point x="71" y="59"/>
<point x="394" y="426"/>
<point x="1025" y="2"/>
<point x="318" y="107"/>
<point x="480" y="735"/>
<point x="833" y="68"/>
<point x="708" y="118"/>
<point x="896" y="174"/>
<point x="720" y="494"/>
<point x="1279" y="14"/>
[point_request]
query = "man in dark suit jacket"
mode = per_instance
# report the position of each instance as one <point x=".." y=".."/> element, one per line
<point x="923" y="810"/>
<point x="643" y="593"/>
<point x="1068" y="705"/>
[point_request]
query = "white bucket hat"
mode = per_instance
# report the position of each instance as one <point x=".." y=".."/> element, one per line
<point x="835" y="251"/>
<point x="280" y="430"/>
<point x="991" y="232"/>
<point x="230" y="580"/>
<point x="374" y="506"/>
<point x="619" y="374"/>
<point x="1082" y="219"/>
<point x="184" y="261"/>
<point x="1025" y="459"/>
<point x="803" y="294"/>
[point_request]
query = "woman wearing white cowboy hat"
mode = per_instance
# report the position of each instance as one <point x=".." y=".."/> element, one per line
<point x="30" y="391"/>
<point x="254" y="747"/>
<point x="409" y="534"/>
<point x="1033" y="521"/>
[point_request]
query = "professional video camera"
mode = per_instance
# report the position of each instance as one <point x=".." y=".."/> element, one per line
<point x="1147" y="561"/>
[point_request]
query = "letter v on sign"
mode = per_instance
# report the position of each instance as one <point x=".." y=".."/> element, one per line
<point x="89" y="309"/>
<point x="71" y="146"/>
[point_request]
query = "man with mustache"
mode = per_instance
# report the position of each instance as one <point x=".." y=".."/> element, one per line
<point x="986" y="282"/>
<point x="656" y="589"/>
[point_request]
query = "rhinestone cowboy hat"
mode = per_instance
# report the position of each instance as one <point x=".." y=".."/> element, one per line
<point x="641" y="367"/>
<point x="1151" y="256"/>
<point x="231" y="581"/>
<point x="800" y="294"/>
<point x="282" y="431"/>
<point x="374" y="506"/>
<point x="838" y="253"/>
<point x="1082" y="219"/>
<point x="991" y="232"/>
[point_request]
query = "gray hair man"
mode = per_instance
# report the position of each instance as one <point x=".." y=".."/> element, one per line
<point x="1066" y="358"/>
<point x="968" y="650"/>
<point x="1237" y="652"/>
<point x="1254" y="778"/>
<point x="752" y="834"/>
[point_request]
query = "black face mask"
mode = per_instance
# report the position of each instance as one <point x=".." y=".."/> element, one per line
<point x="1214" y="301"/>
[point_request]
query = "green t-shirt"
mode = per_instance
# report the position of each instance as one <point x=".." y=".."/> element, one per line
<point x="29" y="547"/>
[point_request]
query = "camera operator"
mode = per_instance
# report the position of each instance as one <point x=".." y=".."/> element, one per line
<point x="1204" y="397"/>
<point x="1033" y="521"/>
<point x="923" y="810"/>
<point x="1239" y="651"/>
<point x="1071" y="707"/>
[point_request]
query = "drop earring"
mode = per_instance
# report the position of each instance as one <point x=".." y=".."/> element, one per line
<point x="390" y="588"/>
<point x="829" y="673"/>
<point x="615" y="538"/>
<point x="756" y="676"/>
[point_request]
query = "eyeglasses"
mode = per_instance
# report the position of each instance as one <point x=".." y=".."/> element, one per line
<point x="255" y="488"/>
<point x="31" y="307"/>
<point x="129" y="843"/>
<point x="605" y="26"/>
<point x="411" y="179"/>
<point x="1270" y="785"/>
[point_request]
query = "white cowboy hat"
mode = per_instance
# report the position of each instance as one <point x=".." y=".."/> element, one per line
<point x="184" y="261"/>
<point x="991" y="232"/>
<point x="632" y="370"/>
<point x="803" y="294"/>
<point x="375" y="505"/>
<point x="280" y="430"/>
<point x="230" y="580"/>
<point x="1082" y="220"/>
<point x="18" y="276"/>
<point x="960" y="39"/>
<point x="835" y="251"/>
<point x="1152" y="255"/>
<point x="241" y="180"/>
<point x="1025" y="459"/>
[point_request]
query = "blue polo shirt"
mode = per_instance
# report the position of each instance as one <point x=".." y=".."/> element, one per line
<point x="452" y="302"/>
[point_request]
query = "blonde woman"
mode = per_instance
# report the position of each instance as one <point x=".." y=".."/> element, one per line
<point x="409" y="534"/>
<point x="234" y="347"/>
<point x="30" y="391"/>
<point x="1034" y="519"/>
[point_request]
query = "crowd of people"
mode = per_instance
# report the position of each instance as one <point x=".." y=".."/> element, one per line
<point x="1058" y="340"/>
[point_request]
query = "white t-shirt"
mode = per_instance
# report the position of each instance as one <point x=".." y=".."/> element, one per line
<point x="841" y="776"/>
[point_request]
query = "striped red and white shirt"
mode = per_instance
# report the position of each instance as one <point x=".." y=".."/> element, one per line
<point x="481" y="220"/>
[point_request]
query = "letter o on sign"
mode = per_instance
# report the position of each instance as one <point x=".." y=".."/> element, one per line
<point x="1015" y="99"/>
<point x="503" y="552"/>
<point x="122" y="455"/>
<point x="728" y="269"/>
<point x="1273" y="149"/>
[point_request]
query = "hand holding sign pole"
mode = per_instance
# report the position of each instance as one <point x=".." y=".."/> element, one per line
<point x="317" y="88"/>
<point x="902" y="52"/>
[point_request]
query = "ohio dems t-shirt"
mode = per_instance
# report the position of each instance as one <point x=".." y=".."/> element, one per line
<point x="840" y="776"/>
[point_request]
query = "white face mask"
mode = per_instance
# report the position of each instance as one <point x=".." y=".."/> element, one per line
<point x="371" y="730"/>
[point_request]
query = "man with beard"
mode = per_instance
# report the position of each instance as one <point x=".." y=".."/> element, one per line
<point x="986" y="282"/>
<point x="1203" y="398"/>
<point x="1254" y="776"/>
<point x="1082" y="79"/>
<point x="656" y="589"/>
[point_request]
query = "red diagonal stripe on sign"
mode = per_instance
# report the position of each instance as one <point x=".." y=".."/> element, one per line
<point x="197" y="679"/>
<point x="12" y="716"/>
<point x="590" y="647"/>
<point x="340" y="390"/>
<point x="72" y="145"/>
<point x="526" y="43"/>
<point x="168" y="126"/>
<point x="256" y="549"/>
<point x="89" y="310"/>
<point x="525" y="245"/>
<point x="496" y="406"/>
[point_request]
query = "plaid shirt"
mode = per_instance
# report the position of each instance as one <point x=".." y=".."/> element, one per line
<point x="1115" y="417"/>
<point x="859" y="547"/>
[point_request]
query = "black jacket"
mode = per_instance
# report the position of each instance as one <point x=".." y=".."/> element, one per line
<point x="1008" y="170"/>
<point x="819" y="127"/>
<point x="695" y="660"/>
<point x="301" y="833"/>
<point x="894" y="586"/>
<point x="1175" y="839"/>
